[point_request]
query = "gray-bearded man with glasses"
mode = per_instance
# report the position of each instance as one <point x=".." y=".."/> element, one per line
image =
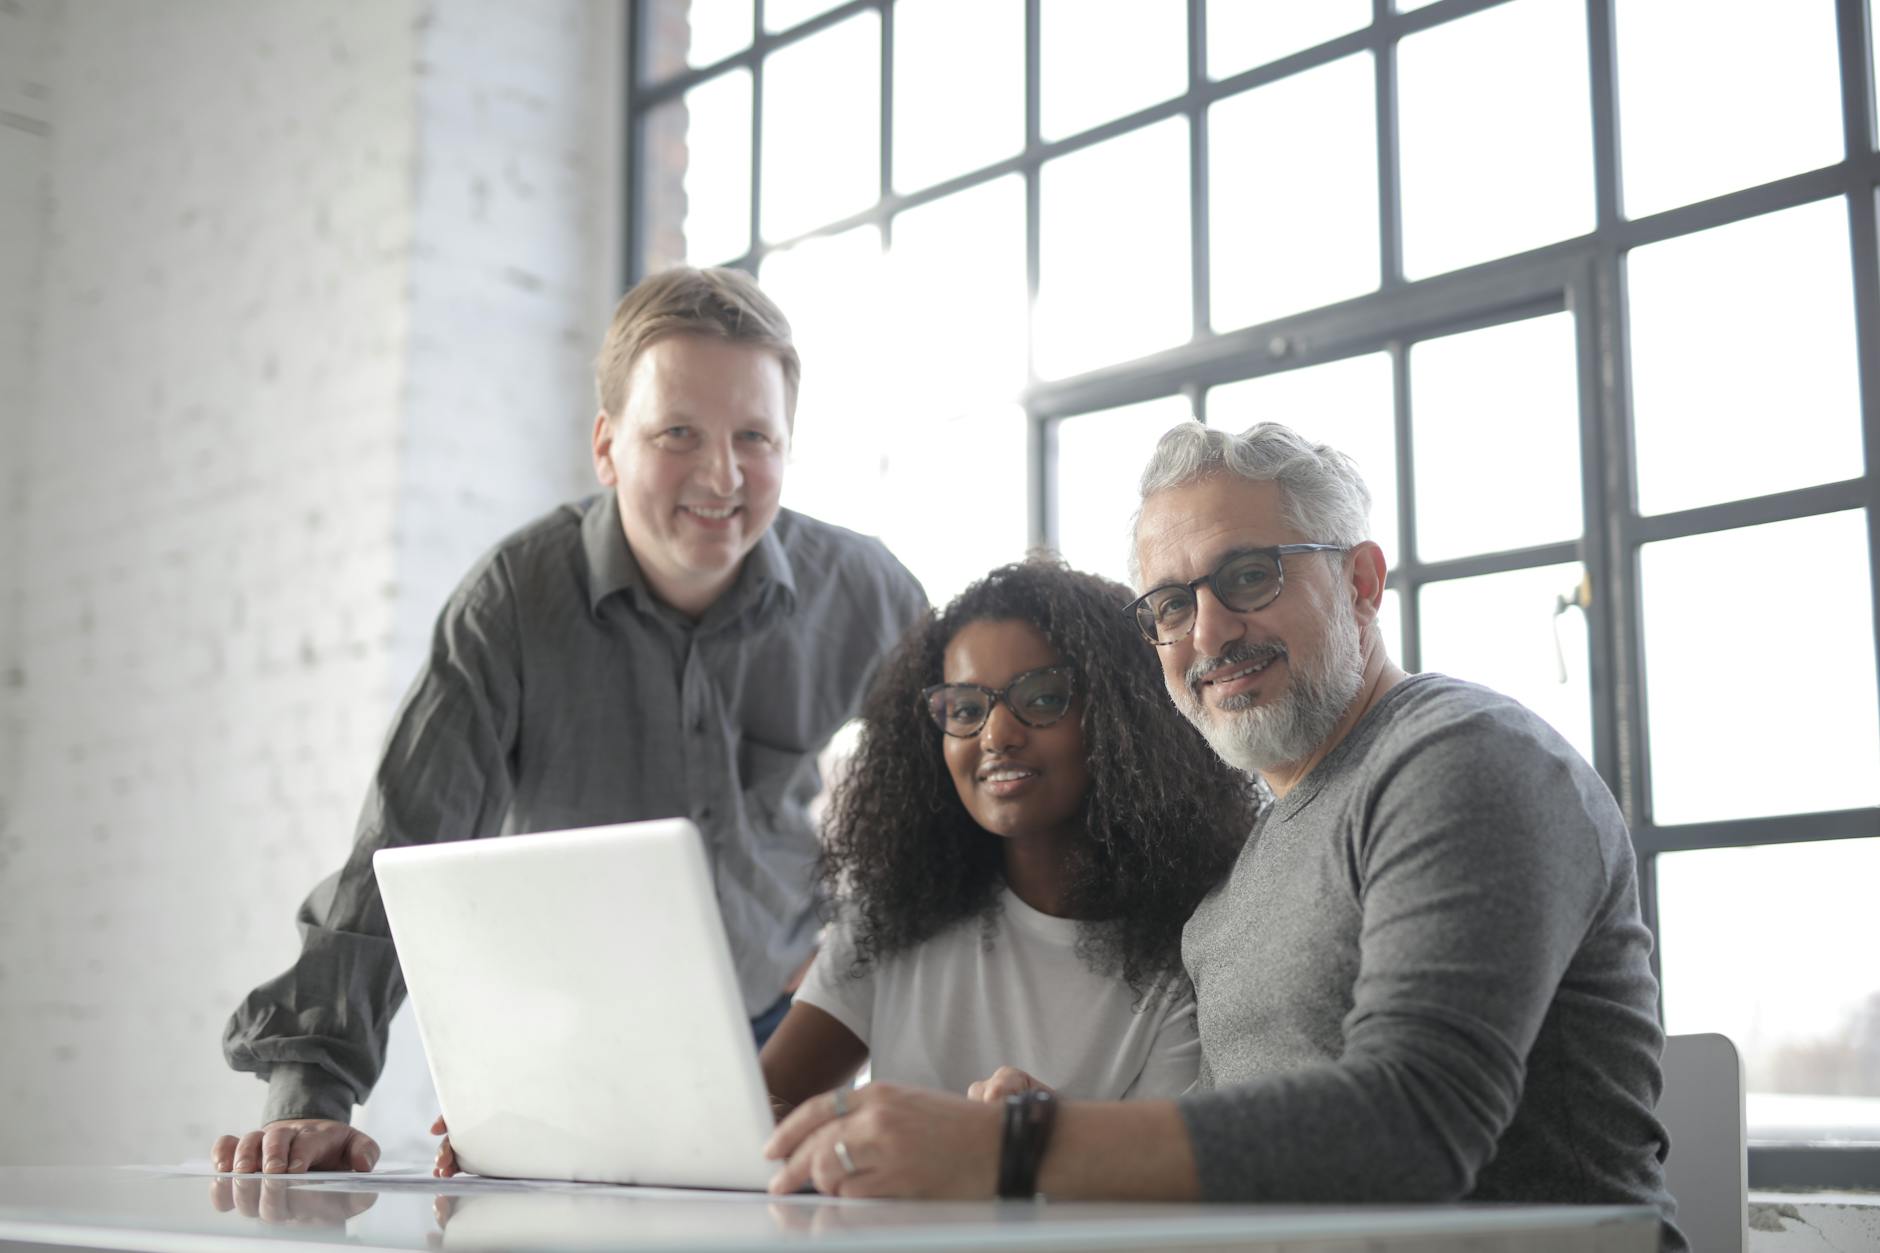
<point x="1425" y="980"/>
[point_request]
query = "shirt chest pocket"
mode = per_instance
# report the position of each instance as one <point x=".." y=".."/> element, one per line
<point x="778" y="783"/>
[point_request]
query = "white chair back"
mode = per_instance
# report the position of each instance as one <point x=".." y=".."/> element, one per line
<point x="1708" y="1169"/>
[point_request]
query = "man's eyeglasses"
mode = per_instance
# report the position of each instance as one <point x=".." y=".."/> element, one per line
<point x="1248" y="580"/>
<point x="1036" y="698"/>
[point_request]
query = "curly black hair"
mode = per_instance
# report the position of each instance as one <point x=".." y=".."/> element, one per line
<point x="1165" y="816"/>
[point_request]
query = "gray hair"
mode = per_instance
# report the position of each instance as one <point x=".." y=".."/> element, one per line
<point x="1325" y="496"/>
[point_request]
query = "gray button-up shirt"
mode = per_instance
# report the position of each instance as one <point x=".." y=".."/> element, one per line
<point x="560" y="693"/>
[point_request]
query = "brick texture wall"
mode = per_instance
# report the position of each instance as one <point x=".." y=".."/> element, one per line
<point x="304" y="320"/>
<point x="25" y="31"/>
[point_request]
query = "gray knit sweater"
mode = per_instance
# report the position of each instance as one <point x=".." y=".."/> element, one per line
<point x="1427" y="979"/>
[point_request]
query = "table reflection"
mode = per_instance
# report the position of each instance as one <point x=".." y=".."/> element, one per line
<point x="276" y="1199"/>
<point x="500" y="1220"/>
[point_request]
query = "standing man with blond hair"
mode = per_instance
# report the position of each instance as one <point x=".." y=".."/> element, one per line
<point x="678" y="644"/>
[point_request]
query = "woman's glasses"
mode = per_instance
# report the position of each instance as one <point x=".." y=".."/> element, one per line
<point x="1036" y="698"/>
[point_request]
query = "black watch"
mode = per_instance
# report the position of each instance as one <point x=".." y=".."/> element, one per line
<point x="1028" y="1120"/>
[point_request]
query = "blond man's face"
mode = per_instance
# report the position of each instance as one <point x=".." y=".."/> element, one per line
<point x="696" y="461"/>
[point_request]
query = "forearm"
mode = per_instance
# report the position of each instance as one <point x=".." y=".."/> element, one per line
<point x="810" y="1053"/>
<point x="1120" y="1151"/>
<point x="1414" y="1124"/>
<point x="317" y="1032"/>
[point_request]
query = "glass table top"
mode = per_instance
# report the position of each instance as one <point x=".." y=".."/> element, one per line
<point x="157" y="1209"/>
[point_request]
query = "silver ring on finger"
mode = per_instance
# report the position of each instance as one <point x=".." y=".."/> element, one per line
<point x="841" y="1098"/>
<point x="842" y="1155"/>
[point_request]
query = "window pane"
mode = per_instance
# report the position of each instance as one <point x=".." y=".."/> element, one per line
<point x="972" y="461"/>
<point x="1390" y="622"/>
<point x="783" y="14"/>
<point x="958" y="274"/>
<point x="1114" y="254"/>
<point x="718" y="29"/>
<point x="946" y="123"/>
<point x="1495" y="417"/>
<point x="1505" y="631"/>
<point x="1292" y="174"/>
<point x="697" y="168"/>
<point x="833" y="290"/>
<point x="1100" y="457"/>
<point x="1720" y="94"/>
<point x="1772" y="946"/>
<point x="1775" y="296"/>
<point x="954" y="338"/>
<point x="1246" y="33"/>
<point x="1347" y="404"/>
<point x="1102" y="59"/>
<point x="1720" y="694"/>
<point x="822" y="127"/>
<point x="1497" y="134"/>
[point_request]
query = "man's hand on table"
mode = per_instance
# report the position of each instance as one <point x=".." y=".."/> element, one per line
<point x="293" y="1146"/>
<point x="901" y="1142"/>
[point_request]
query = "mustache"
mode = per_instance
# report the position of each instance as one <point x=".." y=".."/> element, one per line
<point x="1239" y="653"/>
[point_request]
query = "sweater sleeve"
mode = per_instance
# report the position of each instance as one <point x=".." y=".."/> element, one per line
<point x="1476" y="860"/>
<point x="317" y="1032"/>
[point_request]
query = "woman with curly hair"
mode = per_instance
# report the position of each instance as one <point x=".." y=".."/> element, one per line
<point x="1023" y="830"/>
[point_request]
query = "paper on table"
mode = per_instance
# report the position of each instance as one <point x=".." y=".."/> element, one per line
<point x="406" y="1177"/>
<point x="201" y="1166"/>
<point x="467" y="1184"/>
<point x="456" y="1184"/>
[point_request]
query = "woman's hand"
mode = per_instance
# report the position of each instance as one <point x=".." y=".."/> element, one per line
<point x="446" y="1164"/>
<point x="1006" y="1081"/>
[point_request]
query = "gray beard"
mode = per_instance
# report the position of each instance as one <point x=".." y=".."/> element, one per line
<point x="1258" y="738"/>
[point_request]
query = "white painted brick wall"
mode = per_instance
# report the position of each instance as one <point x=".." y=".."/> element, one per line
<point x="520" y="130"/>
<point x="25" y="32"/>
<point x="285" y="384"/>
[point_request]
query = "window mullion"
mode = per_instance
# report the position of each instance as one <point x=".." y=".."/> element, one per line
<point x="633" y="251"/>
<point x="1857" y="113"/>
<point x="1408" y="586"/>
<point x="1041" y="449"/>
<point x="755" y="248"/>
<point x="886" y="137"/>
<point x="1389" y="190"/>
<point x="1602" y="549"/>
<point x="1602" y="73"/>
<point x="1200" y="244"/>
<point x="1623" y="616"/>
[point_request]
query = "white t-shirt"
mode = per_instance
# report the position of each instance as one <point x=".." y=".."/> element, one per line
<point x="953" y="1010"/>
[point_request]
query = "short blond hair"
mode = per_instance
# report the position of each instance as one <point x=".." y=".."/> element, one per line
<point x="719" y="303"/>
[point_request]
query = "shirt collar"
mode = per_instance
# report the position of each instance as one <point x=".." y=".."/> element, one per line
<point x="612" y="567"/>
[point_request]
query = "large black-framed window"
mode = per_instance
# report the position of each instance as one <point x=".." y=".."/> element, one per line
<point x="1552" y="383"/>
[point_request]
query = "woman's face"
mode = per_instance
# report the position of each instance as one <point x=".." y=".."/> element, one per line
<point x="1016" y="781"/>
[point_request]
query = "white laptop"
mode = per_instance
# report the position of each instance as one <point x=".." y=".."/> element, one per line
<point x="578" y="1007"/>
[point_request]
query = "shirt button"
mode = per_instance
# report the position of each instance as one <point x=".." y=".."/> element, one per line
<point x="705" y="813"/>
